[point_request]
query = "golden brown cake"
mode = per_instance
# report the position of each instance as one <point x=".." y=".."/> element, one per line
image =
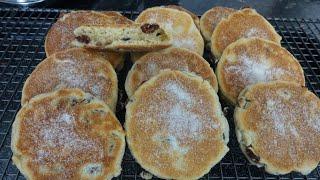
<point x="244" y="23"/>
<point x="73" y="68"/>
<point x="60" y="35"/>
<point x="67" y="134"/>
<point x="178" y="23"/>
<point x="175" y="126"/>
<point x="278" y="127"/>
<point x="172" y="58"/>
<point x="210" y="19"/>
<point x="252" y="60"/>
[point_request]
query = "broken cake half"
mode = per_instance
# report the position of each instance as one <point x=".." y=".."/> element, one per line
<point x="136" y="37"/>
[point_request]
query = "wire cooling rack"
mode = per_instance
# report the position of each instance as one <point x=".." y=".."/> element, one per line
<point x="22" y="34"/>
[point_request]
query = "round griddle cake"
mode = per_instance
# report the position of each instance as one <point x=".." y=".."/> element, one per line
<point x="74" y="68"/>
<point x="175" y="126"/>
<point x="67" y="134"/>
<point x="61" y="35"/>
<point x="253" y="60"/>
<point x="210" y="19"/>
<point x="178" y="23"/>
<point x="244" y="23"/>
<point x="278" y="127"/>
<point x="173" y="58"/>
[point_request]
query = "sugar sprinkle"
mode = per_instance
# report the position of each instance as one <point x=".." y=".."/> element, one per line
<point x="254" y="69"/>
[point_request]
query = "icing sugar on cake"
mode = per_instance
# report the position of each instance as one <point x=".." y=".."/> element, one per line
<point x="60" y="133"/>
<point x="173" y="88"/>
<point x="179" y="118"/>
<point x="255" y="32"/>
<point x="284" y="121"/>
<point x="185" y="43"/>
<point x="182" y="121"/>
<point x="80" y="75"/>
<point x="70" y="74"/>
<point x="255" y="69"/>
<point x="180" y="112"/>
<point x="177" y="110"/>
<point x="166" y="24"/>
<point x="67" y="134"/>
<point x="313" y="115"/>
<point x="151" y="68"/>
<point x="173" y="120"/>
<point x="286" y="112"/>
<point x="282" y="117"/>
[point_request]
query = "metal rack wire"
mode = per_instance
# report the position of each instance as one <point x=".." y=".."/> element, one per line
<point x="22" y="35"/>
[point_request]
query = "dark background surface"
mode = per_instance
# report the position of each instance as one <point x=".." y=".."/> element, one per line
<point x="269" y="8"/>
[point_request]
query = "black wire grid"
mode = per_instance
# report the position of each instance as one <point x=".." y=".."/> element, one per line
<point x="22" y="48"/>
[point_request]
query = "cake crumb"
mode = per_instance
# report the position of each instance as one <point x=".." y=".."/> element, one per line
<point x="145" y="175"/>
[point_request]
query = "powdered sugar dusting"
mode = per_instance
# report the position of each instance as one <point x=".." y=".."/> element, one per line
<point x="255" y="69"/>
<point x="293" y="130"/>
<point x="70" y="74"/>
<point x="281" y="117"/>
<point x="59" y="133"/>
<point x="175" y="145"/>
<point x="314" y="116"/>
<point x="57" y="139"/>
<point x="255" y="32"/>
<point x="284" y="115"/>
<point x="187" y="43"/>
<point x="178" y="92"/>
<point x="181" y="120"/>
<point x="315" y="122"/>
<point x="153" y="18"/>
<point x="79" y="75"/>
<point x="96" y="89"/>
<point x="166" y="24"/>
<point x="178" y="119"/>
<point x="286" y="119"/>
<point x="275" y="114"/>
<point x="65" y="117"/>
<point x="179" y="113"/>
<point x="152" y="68"/>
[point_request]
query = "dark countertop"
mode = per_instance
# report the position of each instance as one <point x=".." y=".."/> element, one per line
<point x="269" y="8"/>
